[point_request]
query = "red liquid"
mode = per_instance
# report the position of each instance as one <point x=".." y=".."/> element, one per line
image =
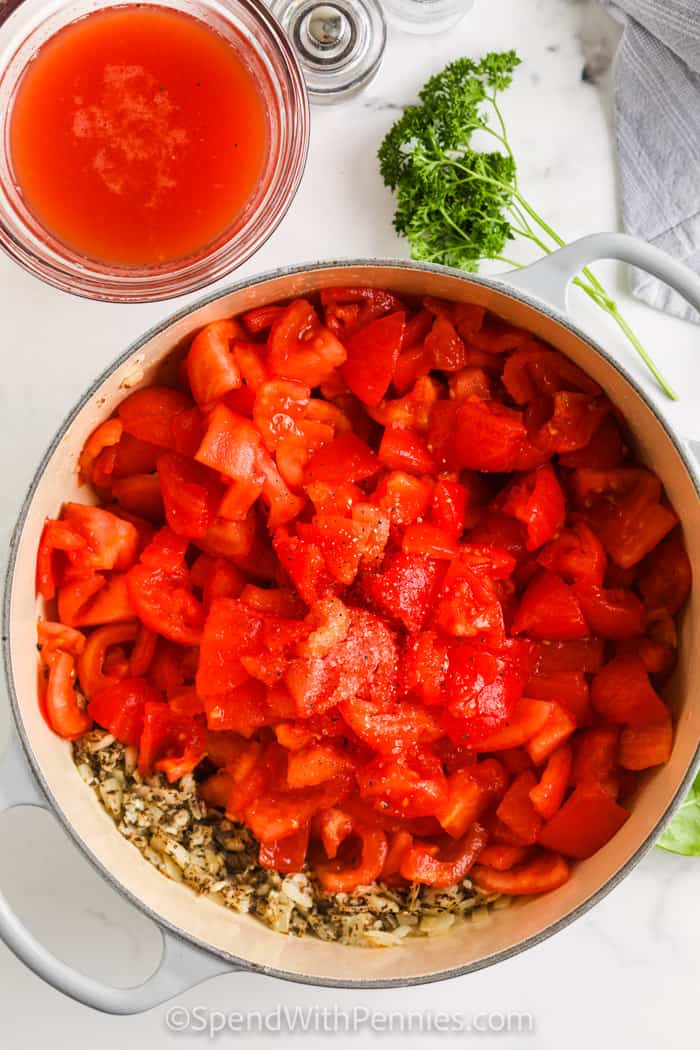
<point x="138" y="135"/>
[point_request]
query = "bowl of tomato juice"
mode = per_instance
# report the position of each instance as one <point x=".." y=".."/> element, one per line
<point x="148" y="149"/>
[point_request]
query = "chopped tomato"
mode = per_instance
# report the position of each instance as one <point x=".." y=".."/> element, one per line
<point x="348" y="309"/>
<point x="287" y="854"/>
<point x="372" y="353"/>
<point x="576" y="554"/>
<point x="300" y="347"/>
<point x="65" y="715"/>
<point x="665" y="578"/>
<point x="644" y="746"/>
<point x="404" y="449"/>
<point x="119" y="707"/>
<point x="151" y="414"/>
<point x="550" y="609"/>
<point x="343" y="875"/>
<point x="548" y="795"/>
<point x="623" y="694"/>
<point x="541" y="875"/>
<point x="420" y="864"/>
<point x="611" y="612"/>
<point x="586" y="821"/>
<point x="388" y="578"/>
<point x="538" y="502"/>
<point x="191" y="494"/>
<point x="212" y="370"/>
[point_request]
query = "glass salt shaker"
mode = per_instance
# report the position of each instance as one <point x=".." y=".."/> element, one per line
<point x="426" y="16"/>
<point x="339" y="44"/>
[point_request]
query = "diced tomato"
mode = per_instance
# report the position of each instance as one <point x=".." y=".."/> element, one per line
<point x="231" y="445"/>
<point x="409" y="785"/>
<point x="300" y="347"/>
<point x="211" y="368"/>
<point x="517" y="811"/>
<point x="665" y="577"/>
<point x="390" y="729"/>
<point x="343" y="875"/>
<point x="165" y="603"/>
<point x="529" y="718"/>
<point x="420" y="864"/>
<point x="57" y="538"/>
<point x="191" y="494"/>
<point x="573" y="421"/>
<point x="586" y="654"/>
<point x="584" y="824"/>
<point x="406" y="589"/>
<point x="548" y="795"/>
<point x="151" y="414"/>
<point x="347" y="458"/>
<point x="404" y="449"/>
<point x="413" y="362"/>
<point x="97" y="599"/>
<point x="110" y="542"/>
<point x="625" y="511"/>
<point x="489" y="436"/>
<point x="119" y="707"/>
<point x="469" y="605"/>
<point x="315" y="764"/>
<point x="644" y="746"/>
<point x="140" y="494"/>
<point x="287" y="854"/>
<point x="550" y="609"/>
<point x="52" y="636"/>
<point x="304" y="562"/>
<point x="403" y="497"/>
<point x="605" y="449"/>
<point x="568" y="688"/>
<point x="576" y="554"/>
<point x="558" y="728"/>
<point x="260" y="318"/>
<point x="64" y="712"/>
<point x="449" y="507"/>
<point x="538" y="502"/>
<point x="348" y="309"/>
<point x="502" y="857"/>
<point x="535" y="371"/>
<point x="341" y="542"/>
<point x="623" y="694"/>
<point x="372" y="353"/>
<point x="105" y="436"/>
<point x="595" y="754"/>
<point x="429" y="540"/>
<point x="611" y="612"/>
<point x="445" y="346"/>
<point x="541" y="875"/>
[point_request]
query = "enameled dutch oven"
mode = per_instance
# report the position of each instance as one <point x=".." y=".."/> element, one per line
<point x="200" y="938"/>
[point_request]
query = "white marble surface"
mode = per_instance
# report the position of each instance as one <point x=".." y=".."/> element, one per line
<point x="626" y="973"/>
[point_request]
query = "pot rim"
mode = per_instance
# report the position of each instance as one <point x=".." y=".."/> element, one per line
<point x="500" y="284"/>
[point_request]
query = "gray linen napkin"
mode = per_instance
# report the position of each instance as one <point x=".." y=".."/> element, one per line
<point x="657" y="87"/>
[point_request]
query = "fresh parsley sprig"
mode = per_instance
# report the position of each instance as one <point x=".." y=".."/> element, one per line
<point x="458" y="204"/>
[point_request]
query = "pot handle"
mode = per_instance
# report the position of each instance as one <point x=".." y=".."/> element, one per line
<point x="549" y="278"/>
<point x="181" y="967"/>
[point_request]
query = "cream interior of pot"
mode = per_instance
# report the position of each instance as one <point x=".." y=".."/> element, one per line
<point x="242" y="936"/>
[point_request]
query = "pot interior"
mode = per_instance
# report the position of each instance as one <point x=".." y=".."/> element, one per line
<point x="240" y="936"/>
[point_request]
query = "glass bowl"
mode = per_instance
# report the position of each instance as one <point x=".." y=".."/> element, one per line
<point x="267" y="51"/>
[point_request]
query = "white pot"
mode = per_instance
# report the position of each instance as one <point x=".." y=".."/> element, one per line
<point x="201" y="938"/>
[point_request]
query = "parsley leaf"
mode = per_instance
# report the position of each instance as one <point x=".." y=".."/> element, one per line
<point x="457" y="203"/>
